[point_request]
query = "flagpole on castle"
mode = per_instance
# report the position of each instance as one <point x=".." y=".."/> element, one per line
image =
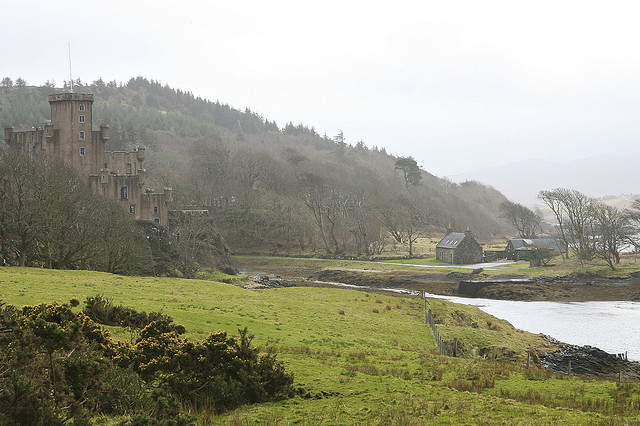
<point x="70" y="73"/>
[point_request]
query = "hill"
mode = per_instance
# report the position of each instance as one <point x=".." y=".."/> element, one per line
<point x="604" y="176"/>
<point x="272" y="188"/>
<point x="357" y="357"/>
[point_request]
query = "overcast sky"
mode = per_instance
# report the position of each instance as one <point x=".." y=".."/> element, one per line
<point x="459" y="85"/>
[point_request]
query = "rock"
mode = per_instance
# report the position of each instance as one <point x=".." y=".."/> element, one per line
<point x="264" y="282"/>
<point x="590" y="361"/>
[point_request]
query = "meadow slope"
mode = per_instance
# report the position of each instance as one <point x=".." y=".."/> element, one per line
<point x="358" y="357"/>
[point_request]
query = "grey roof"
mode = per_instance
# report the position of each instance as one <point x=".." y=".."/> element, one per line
<point x="529" y="244"/>
<point x="451" y="240"/>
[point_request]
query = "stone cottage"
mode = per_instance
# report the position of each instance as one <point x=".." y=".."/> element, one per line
<point x="459" y="248"/>
<point x="70" y="138"/>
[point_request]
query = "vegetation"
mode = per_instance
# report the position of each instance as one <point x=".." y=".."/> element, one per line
<point x="527" y="222"/>
<point x="59" y="365"/>
<point x="357" y="357"/>
<point x="270" y="188"/>
<point x="49" y="218"/>
<point x="590" y="228"/>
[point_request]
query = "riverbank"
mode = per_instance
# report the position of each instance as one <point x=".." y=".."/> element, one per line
<point x="508" y="285"/>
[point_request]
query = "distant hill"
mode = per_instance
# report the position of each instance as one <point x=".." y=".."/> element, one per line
<point x="604" y="176"/>
<point x="271" y="187"/>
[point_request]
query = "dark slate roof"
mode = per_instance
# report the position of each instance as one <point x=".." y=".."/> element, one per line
<point x="528" y="244"/>
<point x="451" y="240"/>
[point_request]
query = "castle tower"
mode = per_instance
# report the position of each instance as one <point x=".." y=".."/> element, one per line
<point x="79" y="146"/>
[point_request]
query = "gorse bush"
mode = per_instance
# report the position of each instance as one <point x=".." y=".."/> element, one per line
<point x="58" y="365"/>
<point x="103" y="311"/>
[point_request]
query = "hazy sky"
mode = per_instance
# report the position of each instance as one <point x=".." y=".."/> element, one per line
<point x="457" y="84"/>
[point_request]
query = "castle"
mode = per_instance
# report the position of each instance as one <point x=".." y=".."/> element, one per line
<point x="70" y="138"/>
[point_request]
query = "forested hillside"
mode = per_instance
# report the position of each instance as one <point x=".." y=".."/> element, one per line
<point x="272" y="188"/>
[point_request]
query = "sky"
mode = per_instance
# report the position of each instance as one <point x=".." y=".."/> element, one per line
<point x="458" y="85"/>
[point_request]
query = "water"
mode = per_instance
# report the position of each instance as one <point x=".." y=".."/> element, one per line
<point x="613" y="327"/>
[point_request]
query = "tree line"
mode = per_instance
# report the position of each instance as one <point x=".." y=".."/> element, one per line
<point x="50" y="218"/>
<point x="590" y="228"/>
<point x="278" y="189"/>
<point x="585" y="226"/>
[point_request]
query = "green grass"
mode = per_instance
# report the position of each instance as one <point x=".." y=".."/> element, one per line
<point x="360" y="357"/>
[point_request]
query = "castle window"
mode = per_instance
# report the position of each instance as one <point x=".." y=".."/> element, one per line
<point x="128" y="168"/>
<point x="132" y="208"/>
<point x="81" y="107"/>
<point x="156" y="220"/>
<point x="81" y="118"/>
<point x="155" y="209"/>
<point x="82" y="136"/>
<point x="124" y="193"/>
<point x="82" y="151"/>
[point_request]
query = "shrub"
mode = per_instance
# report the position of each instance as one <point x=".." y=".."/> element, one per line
<point x="103" y="311"/>
<point x="59" y="365"/>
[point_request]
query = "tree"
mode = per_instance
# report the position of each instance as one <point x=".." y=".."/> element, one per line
<point x="589" y="227"/>
<point x="315" y="192"/>
<point x="410" y="171"/>
<point x="523" y="219"/>
<point x="610" y="225"/>
<point x="49" y="218"/>
<point x="553" y="200"/>
<point x="579" y="209"/>
<point x="197" y="244"/>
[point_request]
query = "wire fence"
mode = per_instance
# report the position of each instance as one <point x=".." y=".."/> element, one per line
<point x="448" y="348"/>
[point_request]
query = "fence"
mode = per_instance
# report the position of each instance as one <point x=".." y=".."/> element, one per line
<point x="444" y="347"/>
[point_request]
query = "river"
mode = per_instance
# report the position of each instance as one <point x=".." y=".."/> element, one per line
<point x="613" y="327"/>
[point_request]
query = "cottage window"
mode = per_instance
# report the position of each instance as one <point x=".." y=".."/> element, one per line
<point x="128" y="168"/>
<point x="132" y="208"/>
<point x="81" y="136"/>
<point x="81" y="118"/>
<point x="124" y="193"/>
<point x="82" y="151"/>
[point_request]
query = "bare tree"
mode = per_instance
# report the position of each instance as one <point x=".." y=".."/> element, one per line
<point x="523" y="219"/>
<point x="579" y="209"/>
<point x="315" y="197"/>
<point x="610" y="226"/>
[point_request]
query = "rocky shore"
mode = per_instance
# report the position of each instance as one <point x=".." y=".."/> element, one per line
<point x="589" y="361"/>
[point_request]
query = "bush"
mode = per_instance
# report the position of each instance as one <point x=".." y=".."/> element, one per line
<point x="103" y="311"/>
<point x="220" y="371"/>
<point x="61" y="365"/>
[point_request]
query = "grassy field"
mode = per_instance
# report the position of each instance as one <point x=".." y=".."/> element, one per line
<point x="360" y="357"/>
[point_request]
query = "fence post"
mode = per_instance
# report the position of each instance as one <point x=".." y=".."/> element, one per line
<point x="569" y="368"/>
<point x="424" y="301"/>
